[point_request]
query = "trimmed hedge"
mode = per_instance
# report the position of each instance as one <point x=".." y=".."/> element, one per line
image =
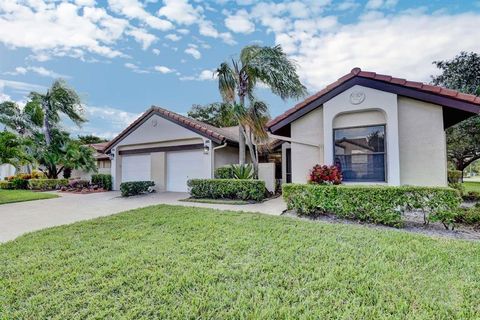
<point x="102" y="180"/>
<point x="224" y="173"/>
<point x="134" y="188"/>
<point x="375" y="204"/>
<point x="238" y="189"/>
<point x="47" y="184"/>
<point x="6" y="185"/>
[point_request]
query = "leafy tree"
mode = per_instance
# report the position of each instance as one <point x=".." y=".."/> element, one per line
<point x="237" y="81"/>
<point x="62" y="153"/>
<point x="59" y="99"/>
<point x="217" y="114"/>
<point x="90" y="139"/>
<point x="23" y="121"/>
<point x="462" y="73"/>
<point x="12" y="150"/>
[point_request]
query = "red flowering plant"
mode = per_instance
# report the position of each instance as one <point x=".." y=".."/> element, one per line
<point x="323" y="174"/>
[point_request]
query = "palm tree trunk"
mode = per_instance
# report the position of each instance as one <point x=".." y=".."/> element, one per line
<point x="241" y="137"/>
<point x="253" y="154"/>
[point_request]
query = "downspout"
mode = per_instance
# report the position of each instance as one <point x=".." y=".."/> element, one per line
<point x="213" y="157"/>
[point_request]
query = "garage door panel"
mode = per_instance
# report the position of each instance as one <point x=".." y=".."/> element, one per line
<point x="185" y="165"/>
<point x="136" y="168"/>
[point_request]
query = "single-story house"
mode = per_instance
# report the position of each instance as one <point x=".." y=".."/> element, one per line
<point x="170" y="149"/>
<point x="376" y="128"/>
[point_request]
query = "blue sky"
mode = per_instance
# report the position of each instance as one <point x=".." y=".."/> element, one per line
<point x="123" y="56"/>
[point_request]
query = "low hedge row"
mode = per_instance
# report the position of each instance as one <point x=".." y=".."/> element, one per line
<point x="102" y="180"/>
<point x="239" y="189"/>
<point x="46" y="184"/>
<point x="375" y="204"/>
<point x="5" y="185"/>
<point x="134" y="188"/>
<point x="224" y="172"/>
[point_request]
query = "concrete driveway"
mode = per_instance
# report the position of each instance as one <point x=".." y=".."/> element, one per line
<point x="19" y="218"/>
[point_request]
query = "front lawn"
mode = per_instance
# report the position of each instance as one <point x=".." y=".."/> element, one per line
<point x="179" y="262"/>
<point x="472" y="186"/>
<point x="9" y="196"/>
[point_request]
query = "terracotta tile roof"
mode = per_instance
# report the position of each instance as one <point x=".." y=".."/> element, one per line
<point x="204" y="129"/>
<point x="357" y="72"/>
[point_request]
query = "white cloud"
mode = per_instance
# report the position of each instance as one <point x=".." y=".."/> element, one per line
<point x="4" y="97"/>
<point x="347" y="5"/>
<point x="378" y="4"/>
<point x="133" y="9"/>
<point x="173" y="37"/>
<point x="204" y="75"/>
<point x="142" y="36"/>
<point x="163" y="69"/>
<point x="19" y="86"/>
<point x="135" y="68"/>
<point x="179" y="11"/>
<point x="156" y="51"/>
<point x="59" y="28"/>
<point x="38" y="70"/>
<point x="240" y="22"/>
<point x="183" y="31"/>
<point x="207" y="29"/>
<point x="401" y="45"/>
<point x="85" y="3"/>
<point x="193" y="51"/>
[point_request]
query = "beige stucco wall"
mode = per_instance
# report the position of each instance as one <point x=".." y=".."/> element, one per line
<point x="422" y="143"/>
<point x="158" y="170"/>
<point x="308" y="128"/>
<point x="225" y="156"/>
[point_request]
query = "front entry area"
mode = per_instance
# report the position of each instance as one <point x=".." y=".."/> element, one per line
<point x="185" y="165"/>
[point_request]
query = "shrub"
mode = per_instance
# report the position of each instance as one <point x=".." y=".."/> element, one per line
<point x="46" y="184"/>
<point x="37" y="174"/>
<point x="102" y="180"/>
<point x="227" y="189"/>
<point x="78" y="184"/>
<point x="323" y="174"/>
<point x="469" y="216"/>
<point x="375" y="204"/>
<point x="471" y="196"/>
<point x="242" y="171"/>
<point x="224" y="173"/>
<point x="457" y="186"/>
<point x="19" y="183"/>
<point x="454" y="176"/>
<point x="5" y="185"/>
<point x="135" y="187"/>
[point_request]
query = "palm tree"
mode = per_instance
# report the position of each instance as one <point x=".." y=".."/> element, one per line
<point x="57" y="100"/>
<point x="22" y="121"/>
<point x="236" y="83"/>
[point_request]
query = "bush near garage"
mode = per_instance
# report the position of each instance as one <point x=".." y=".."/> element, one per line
<point x="238" y="189"/>
<point x="224" y="173"/>
<point x="102" y="180"/>
<point x="46" y="184"/>
<point x="134" y="188"/>
<point x="374" y="204"/>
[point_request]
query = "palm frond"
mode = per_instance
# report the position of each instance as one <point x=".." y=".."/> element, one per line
<point x="226" y="82"/>
<point x="271" y="66"/>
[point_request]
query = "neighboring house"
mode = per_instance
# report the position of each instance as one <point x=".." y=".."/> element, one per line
<point x="6" y="170"/>
<point x="102" y="160"/>
<point x="376" y="128"/>
<point x="169" y="149"/>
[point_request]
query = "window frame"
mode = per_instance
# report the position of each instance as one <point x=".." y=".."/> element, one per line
<point x="385" y="151"/>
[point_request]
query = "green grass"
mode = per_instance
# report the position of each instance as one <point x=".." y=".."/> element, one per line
<point x="472" y="186"/>
<point x="9" y="196"/>
<point x="178" y="262"/>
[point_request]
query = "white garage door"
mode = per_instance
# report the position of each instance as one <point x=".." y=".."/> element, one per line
<point x="136" y="168"/>
<point x="185" y="165"/>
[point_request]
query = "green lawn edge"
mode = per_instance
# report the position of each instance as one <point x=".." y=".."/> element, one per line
<point x="14" y="196"/>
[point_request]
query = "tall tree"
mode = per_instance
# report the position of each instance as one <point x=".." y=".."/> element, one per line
<point x="23" y="121"/>
<point x="217" y="114"/>
<point x="59" y="99"/>
<point x="237" y="81"/>
<point x="90" y="139"/>
<point x="462" y="73"/>
<point x="62" y="153"/>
